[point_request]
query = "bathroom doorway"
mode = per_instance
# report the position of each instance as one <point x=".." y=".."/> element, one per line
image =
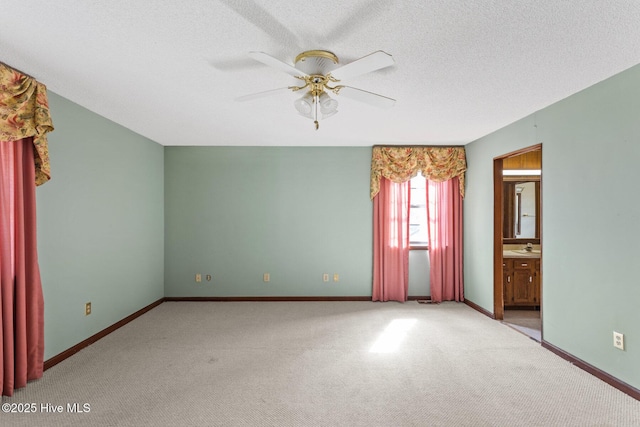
<point x="517" y="240"/>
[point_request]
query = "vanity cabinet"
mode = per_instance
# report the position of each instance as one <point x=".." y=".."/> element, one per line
<point x="521" y="281"/>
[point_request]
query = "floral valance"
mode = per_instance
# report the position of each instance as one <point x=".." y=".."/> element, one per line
<point x="24" y="113"/>
<point x="400" y="164"/>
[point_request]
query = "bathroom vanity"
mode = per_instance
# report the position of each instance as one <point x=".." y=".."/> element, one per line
<point x="521" y="278"/>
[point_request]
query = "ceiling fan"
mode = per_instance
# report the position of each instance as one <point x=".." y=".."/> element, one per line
<point x="316" y="69"/>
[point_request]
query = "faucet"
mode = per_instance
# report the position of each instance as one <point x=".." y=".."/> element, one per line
<point x="529" y="247"/>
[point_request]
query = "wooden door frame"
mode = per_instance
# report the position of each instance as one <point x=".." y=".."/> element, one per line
<point x="498" y="287"/>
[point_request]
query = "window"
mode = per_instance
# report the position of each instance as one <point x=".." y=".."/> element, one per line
<point x="418" y="232"/>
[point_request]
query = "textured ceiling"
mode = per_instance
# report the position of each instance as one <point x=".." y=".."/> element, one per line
<point x="170" y="70"/>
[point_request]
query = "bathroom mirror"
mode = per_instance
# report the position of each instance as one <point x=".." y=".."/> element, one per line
<point x="521" y="213"/>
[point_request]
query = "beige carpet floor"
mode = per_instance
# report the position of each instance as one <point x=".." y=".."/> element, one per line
<point x="311" y="364"/>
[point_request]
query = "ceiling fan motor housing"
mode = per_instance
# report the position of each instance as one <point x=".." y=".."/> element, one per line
<point x="316" y="62"/>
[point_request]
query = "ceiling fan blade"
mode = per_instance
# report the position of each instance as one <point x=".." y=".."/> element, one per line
<point x="367" y="97"/>
<point x="262" y="19"/>
<point x="276" y="63"/>
<point x="358" y="18"/>
<point x="234" y="64"/>
<point x="372" y="62"/>
<point x="264" y="94"/>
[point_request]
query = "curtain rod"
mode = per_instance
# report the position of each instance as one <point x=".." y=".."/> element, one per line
<point x="19" y="71"/>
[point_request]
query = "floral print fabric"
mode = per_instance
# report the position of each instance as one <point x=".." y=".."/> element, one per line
<point x="400" y="164"/>
<point x="24" y="113"/>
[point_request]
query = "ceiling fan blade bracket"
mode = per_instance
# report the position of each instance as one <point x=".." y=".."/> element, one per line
<point x="330" y="78"/>
<point x="306" y="81"/>
<point x="335" y="89"/>
<point x="297" y="88"/>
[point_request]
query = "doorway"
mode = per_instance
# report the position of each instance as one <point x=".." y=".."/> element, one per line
<point x="517" y="280"/>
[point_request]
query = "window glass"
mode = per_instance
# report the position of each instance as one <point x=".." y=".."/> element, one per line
<point x="418" y="233"/>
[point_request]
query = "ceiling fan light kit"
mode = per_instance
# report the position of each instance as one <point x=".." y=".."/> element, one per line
<point x="316" y="69"/>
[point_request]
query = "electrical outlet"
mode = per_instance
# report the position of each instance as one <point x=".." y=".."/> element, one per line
<point x="198" y="277"/>
<point x="266" y="277"/>
<point x="325" y="277"/>
<point x="87" y="309"/>
<point x="336" y="277"/>
<point x="618" y="340"/>
<point x="208" y="277"/>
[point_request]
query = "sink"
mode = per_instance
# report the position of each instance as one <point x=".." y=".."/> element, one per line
<point x="521" y="253"/>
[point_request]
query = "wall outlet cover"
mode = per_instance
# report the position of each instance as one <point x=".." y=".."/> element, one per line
<point x="618" y="340"/>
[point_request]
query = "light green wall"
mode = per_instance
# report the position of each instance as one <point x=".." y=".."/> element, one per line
<point x="478" y="206"/>
<point x="292" y="212"/>
<point x="100" y="225"/>
<point x="590" y="217"/>
<point x="122" y="216"/>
